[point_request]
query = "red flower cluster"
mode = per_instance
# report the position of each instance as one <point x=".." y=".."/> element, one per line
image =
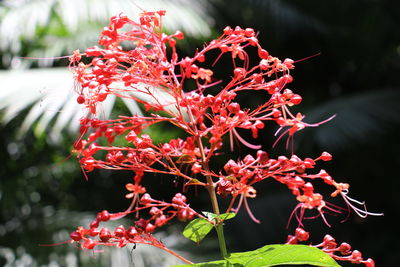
<point x="161" y="212"/>
<point x="151" y="72"/>
<point x="340" y="252"/>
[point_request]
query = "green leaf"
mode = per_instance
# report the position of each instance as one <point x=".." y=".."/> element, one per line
<point x="273" y="255"/>
<point x="221" y="263"/>
<point x="197" y="229"/>
<point x="211" y="216"/>
<point x="222" y="217"/>
<point x="226" y="216"/>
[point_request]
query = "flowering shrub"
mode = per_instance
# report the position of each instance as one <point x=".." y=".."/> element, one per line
<point x="153" y="68"/>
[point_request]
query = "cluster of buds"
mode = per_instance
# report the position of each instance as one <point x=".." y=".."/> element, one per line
<point x="160" y="213"/>
<point x="341" y="252"/>
<point x="242" y="175"/>
<point x="152" y="73"/>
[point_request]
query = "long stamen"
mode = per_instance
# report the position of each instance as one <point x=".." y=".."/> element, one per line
<point x="235" y="210"/>
<point x="363" y="213"/>
<point x="294" y="213"/>
<point x="244" y="142"/>
<point x="129" y="209"/>
<point x="249" y="211"/>
<point x="280" y="137"/>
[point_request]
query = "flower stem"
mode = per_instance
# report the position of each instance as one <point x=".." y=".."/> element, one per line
<point x="176" y="255"/>
<point x="214" y="202"/>
<point x="211" y="191"/>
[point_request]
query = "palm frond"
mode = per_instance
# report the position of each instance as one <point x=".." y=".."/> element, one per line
<point x="50" y="96"/>
<point x="20" y="22"/>
<point x="57" y="27"/>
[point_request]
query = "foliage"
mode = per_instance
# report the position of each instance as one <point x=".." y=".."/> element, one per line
<point x="198" y="228"/>
<point x="40" y="33"/>
<point x="272" y="255"/>
<point x="53" y="28"/>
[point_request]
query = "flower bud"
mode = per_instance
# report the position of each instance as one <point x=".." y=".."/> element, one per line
<point x="301" y="234"/>
<point x="105" y="234"/>
<point x="89" y="244"/>
<point x="179" y="199"/>
<point x="104" y="216"/>
<point x="119" y="231"/>
<point x="150" y="228"/>
<point x="75" y="236"/>
<point x="325" y="156"/>
<point x="131" y="232"/>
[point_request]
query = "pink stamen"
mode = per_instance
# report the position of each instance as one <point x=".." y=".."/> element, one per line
<point x="244" y="142"/>
<point x="249" y="212"/>
<point x="363" y="213"/>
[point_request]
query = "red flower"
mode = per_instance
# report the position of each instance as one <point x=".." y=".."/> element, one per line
<point x="135" y="189"/>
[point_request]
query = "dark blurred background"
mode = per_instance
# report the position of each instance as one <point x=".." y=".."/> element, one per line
<point x="44" y="196"/>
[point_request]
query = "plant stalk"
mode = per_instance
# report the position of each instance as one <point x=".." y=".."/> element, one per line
<point x="211" y="191"/>
<point x="214" y="202"/>
<point x="218" y="227"/>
